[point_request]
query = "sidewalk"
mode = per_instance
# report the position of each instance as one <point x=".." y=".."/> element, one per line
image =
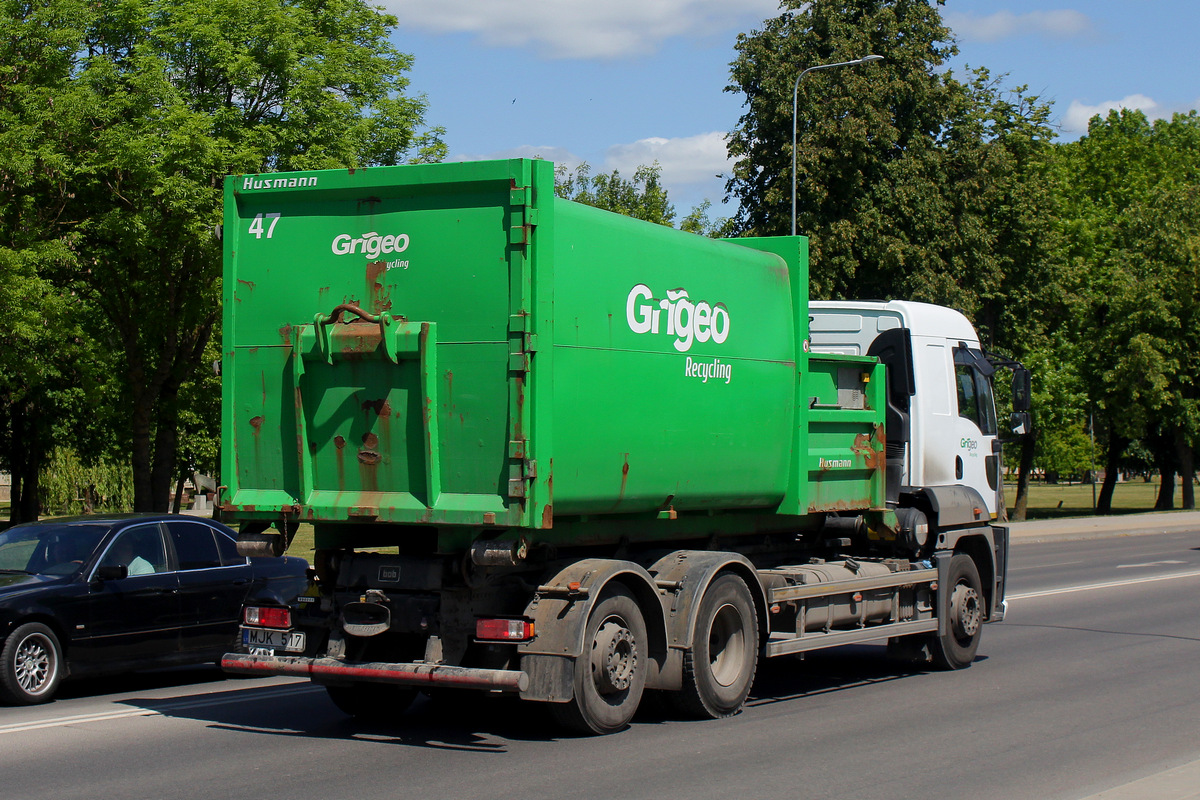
<point x="1102" y="527"/>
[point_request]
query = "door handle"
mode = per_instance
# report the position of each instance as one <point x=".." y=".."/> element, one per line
<point x="958" y="467"/>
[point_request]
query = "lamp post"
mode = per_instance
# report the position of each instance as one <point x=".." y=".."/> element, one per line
<point x="795" y="100"/>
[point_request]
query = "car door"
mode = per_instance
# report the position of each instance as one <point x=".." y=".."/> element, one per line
<point x="213" y="583"/>
<point x="132" y="621"/>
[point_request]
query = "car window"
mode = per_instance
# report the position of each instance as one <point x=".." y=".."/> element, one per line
<point x="138" y="549"/>
<point x="194" y="545"/>
<point x="49" y="549"/>
<point x="227" y="547"/>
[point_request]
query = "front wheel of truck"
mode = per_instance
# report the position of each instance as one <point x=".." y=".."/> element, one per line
<point x="372" y="702"/>
<point x="962" y="604"/>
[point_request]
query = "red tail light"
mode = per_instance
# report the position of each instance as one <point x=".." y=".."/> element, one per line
<point x="503" y="630"/>
<point x="269" y="617"/>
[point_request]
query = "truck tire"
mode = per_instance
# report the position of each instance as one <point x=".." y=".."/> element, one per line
<point x="372" y="702"/>
<point x="718" y="671"/>
<point x="961" y="601"/>
<point x="610" y="675"/>
<point x="30" y="665"/>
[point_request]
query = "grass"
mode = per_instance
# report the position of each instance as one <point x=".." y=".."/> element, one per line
<point x="1052" y="501"/>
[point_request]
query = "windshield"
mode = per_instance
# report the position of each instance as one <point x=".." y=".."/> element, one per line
<point x="49" y="549"/>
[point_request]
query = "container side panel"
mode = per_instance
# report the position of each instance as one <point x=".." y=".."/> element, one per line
<point x="674" y="369"/>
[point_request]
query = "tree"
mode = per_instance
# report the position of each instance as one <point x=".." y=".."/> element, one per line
<point x="643" y="197"/>
<point x="910" y="182"/>
<point x="39" y="364"/>
<point x="1130" y="194"/>
<point x="160" y="99"/>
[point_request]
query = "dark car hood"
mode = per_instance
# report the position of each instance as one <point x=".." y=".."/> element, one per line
<point x="13" y="584"/>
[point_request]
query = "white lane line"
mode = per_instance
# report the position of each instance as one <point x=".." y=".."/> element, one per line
<point x="21" y="727"/>
<point x="1149" y="564"/>
<point x="165" y="708"/>
<point x="1107" y="585"/>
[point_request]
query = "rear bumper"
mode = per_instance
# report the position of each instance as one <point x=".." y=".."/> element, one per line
<point x="330" y="670"/>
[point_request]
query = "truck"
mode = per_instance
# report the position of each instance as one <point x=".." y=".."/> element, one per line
<point x="555" y="452"/>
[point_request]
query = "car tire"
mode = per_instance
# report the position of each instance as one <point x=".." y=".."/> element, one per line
<point x="31" y="665"/>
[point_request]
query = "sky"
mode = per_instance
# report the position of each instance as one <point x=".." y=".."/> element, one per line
<point x="619" y="83"/>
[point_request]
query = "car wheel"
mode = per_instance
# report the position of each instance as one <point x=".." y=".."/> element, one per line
<point x="30" y="665"/>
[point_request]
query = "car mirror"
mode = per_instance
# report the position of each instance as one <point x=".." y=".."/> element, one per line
<point x="111" y="572"/>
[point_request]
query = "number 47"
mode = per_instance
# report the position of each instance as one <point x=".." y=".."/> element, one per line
<point x="256" y="225"/>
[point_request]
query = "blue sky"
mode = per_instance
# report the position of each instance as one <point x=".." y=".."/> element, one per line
<point x="618" y="83"/>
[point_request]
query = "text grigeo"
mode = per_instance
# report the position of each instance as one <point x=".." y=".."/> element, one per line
<point x="676" y="315"/>
<point x="370" y="245"/>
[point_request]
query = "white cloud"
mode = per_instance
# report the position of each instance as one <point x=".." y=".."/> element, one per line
<point x="1058" y="24"/>
<point x="581" y="29"/>
<point x="685" y="160"/>
<point x="1078" y="114"/>
<point x="690" y="164"/>
<point x="559" y="155"/>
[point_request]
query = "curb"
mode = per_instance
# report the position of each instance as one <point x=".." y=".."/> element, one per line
<point x="1104" y="527"/>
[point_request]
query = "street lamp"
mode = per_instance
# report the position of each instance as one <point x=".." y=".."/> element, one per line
<point x="795" y="99"/>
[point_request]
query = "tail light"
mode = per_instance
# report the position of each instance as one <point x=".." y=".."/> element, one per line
<point x="267" y="617"/>
<point x="503" y="630"/>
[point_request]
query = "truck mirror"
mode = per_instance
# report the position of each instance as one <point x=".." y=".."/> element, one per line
<point x="1019" y="423"/>
<point x="1021" y="390"/>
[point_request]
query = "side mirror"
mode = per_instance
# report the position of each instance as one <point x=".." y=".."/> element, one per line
<point x="1019" y="423"/>
<point x="111" y="573"/>
<point x="1022" y="391"/>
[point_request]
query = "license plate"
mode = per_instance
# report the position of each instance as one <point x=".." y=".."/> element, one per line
<point x="260" y="639"/>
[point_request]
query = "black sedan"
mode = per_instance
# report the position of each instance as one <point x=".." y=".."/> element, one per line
<point x="92" y="595"/>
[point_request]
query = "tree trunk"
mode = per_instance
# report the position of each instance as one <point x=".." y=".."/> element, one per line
<point x="166" y="446"/>
<point x="1024" y="469"/>
<point x="1116" y="449"/>
<point x="25" y="499"/>
<point x="1185" y="456"/>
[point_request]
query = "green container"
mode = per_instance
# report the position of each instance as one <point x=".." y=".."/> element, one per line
<point x="452" y="346"/>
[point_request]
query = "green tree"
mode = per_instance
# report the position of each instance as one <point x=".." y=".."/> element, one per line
<point x="158" y="101"/>
<point x="642" y="197"/>
<point x="910" y="182"/>
<point x="1130" y="197"/>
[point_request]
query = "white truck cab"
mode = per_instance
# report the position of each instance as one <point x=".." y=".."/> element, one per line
<point x="943" y="437"/>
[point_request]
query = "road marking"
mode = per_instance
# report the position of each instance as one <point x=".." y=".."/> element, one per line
<point x="1108" y="585"/>
<point x="59" y="722"/>
<point x="166" y="708"/>
<point x="1149" y="564"/>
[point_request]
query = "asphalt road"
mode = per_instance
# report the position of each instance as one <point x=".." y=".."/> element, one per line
<point x="1090" y="686"/>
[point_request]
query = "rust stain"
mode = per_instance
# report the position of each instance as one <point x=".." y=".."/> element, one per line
<point x="339" y="441"/>
<point x="285" y="333"/>
<point x="381" y="407"/>
<point x="548" y="516"/>
<point x="257" y="423"/>
<point x="370" y="440"/>
<point x="369" y="457"/>
<point x="380" y="298"/>
<point x="247" y="284"/>
<point x="624" y="478"/>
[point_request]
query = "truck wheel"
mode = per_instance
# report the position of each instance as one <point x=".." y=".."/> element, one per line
<point x="719" y="669"/>
<point x="611" y="673"/>
<point x="31" y="665"/>
<point x="962" y="603"/>
<point x="372" y="702"/>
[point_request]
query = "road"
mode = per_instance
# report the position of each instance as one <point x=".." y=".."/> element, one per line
<point x="1090" y="684"/>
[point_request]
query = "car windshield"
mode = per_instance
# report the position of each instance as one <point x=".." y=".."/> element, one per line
<point x="49" y="549"/>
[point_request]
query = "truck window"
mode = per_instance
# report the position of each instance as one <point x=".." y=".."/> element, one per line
<point x="974" y="390"/>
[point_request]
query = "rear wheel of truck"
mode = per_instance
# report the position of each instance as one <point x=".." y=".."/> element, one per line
<point x="372" y="702"/>
<point x="719" y="669"/>
<point x="610" y="675"/>
<point x="961" y="601"/>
